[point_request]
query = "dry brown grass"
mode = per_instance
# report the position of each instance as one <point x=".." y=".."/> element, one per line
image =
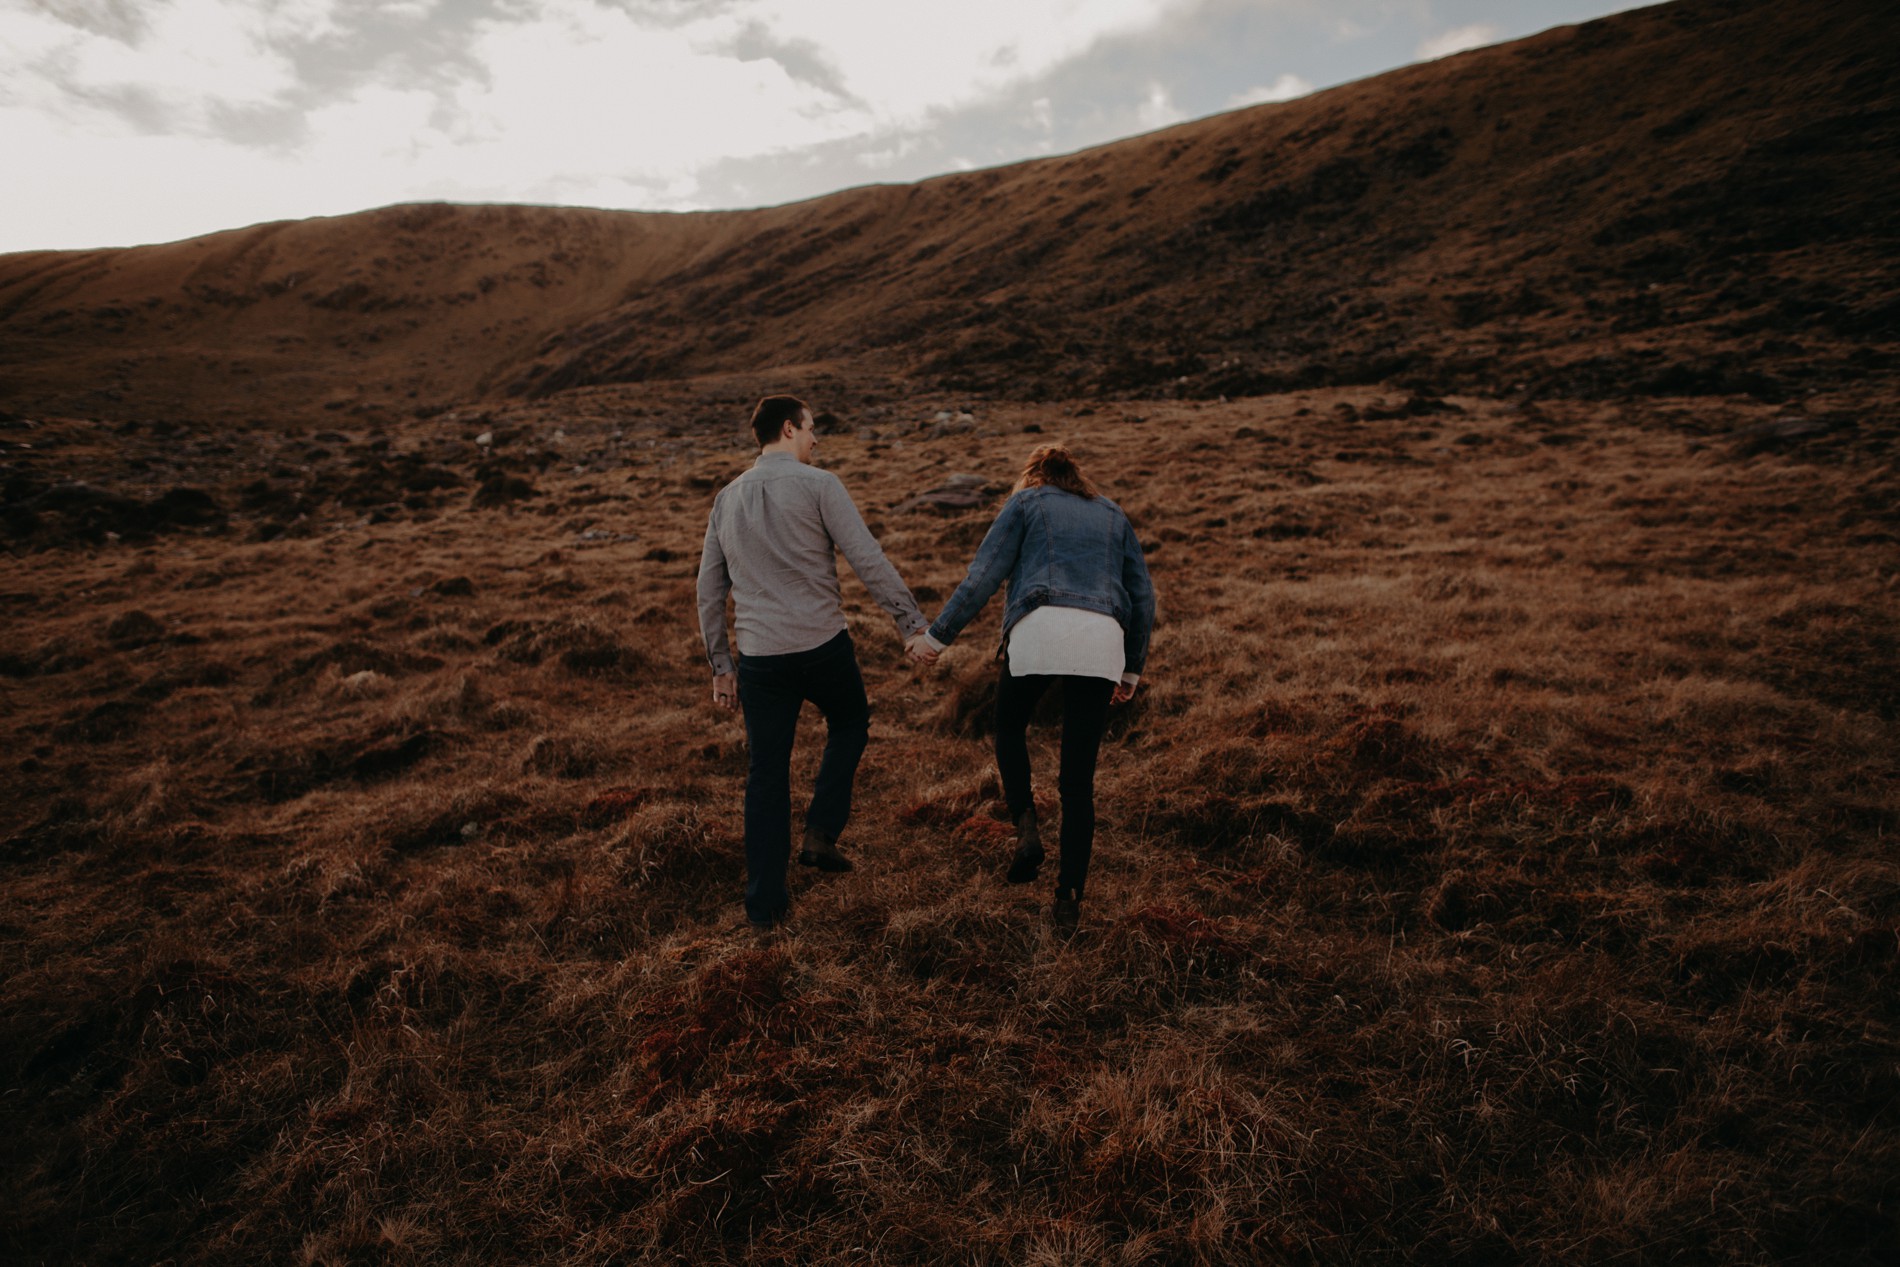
<point x="1495" y="866"/>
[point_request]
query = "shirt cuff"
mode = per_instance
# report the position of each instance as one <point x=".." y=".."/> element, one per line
<point x="933" y="644"/>
<point x="722" y="665"/>
<point x="1130" y="679"/>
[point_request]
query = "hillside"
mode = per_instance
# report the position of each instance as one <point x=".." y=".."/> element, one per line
<point x="1690" y="199"/>
<point x="1495" y="866"/>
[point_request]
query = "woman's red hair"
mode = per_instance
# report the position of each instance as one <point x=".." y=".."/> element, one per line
<point x="1054" y="464"/>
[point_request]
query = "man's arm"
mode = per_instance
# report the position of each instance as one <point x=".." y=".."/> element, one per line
<point x="866" y="557"/>
<point x="715" y="582"/>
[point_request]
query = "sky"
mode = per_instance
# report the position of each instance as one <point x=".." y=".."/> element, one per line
<point x="132" y="121"/>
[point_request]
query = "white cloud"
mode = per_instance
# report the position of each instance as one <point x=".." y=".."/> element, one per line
<point x="1285" y="88"/>
<point x="1158" y="110"/>
<point x="184" y="59"/>
<point x="127" y="119"/>
<point x="68" y="189"/>
<point x="878" y="160"/>
<point x="27" y="36"/>
<point x="1458" y="40"/>
<point x="910" y="59"/>
<point x="582" y="88"/>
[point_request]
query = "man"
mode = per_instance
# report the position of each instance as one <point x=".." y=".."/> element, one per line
<point x="770" y="542"/>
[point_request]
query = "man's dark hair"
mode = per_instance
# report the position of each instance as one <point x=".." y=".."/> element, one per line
<point x="769" y="419"/>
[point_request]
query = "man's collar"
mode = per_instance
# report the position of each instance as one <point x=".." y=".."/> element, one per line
<point x="775" y="457"/>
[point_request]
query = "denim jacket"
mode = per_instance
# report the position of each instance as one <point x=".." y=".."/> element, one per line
<point x="1057" y="549"/>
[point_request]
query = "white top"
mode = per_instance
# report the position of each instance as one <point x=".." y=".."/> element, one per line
<point x="1066" y="641"/>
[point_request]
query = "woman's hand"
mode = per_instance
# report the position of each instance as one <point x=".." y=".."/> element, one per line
<point x="1124" y="691"/>
<point x="919" y="649"/>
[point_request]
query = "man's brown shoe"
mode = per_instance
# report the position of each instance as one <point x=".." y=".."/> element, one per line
<point x="820" y="851"/>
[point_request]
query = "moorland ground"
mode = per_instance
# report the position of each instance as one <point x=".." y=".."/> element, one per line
<point x="1495" y="865"/>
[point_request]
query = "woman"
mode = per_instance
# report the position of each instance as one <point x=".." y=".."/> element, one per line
<point x="1077" y="617"/>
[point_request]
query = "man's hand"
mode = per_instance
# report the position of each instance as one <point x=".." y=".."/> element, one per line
<point x="1124" y="691"/>
<point x="918" y="647"/>
<point x="726" y="691"/>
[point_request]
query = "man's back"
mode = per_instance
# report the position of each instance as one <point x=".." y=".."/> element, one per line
<point x="779" y="553"/>
<point x="771" y="541"/>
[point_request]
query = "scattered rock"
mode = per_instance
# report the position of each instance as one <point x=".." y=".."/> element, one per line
<point x="948" y="423"/>
<point x="1782" y="432"/>
<point x="453" y="587"/>
<point x="350" y="657"/>
<point x="368" y="682"/>
<point x="953" y="496"/>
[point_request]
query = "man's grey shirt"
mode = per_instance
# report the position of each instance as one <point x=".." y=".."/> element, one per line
<point x="770" y="542"/>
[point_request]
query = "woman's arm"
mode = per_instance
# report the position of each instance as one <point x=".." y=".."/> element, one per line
<point x="1141" y="601"/>
<point x="995" y="560"/>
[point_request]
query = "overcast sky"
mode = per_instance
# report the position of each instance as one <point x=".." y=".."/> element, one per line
<point x="127" y="121"/>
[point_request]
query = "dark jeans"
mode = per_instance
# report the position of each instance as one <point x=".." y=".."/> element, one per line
<point x="772" y="689"/>
<point x="1084" y="718"/>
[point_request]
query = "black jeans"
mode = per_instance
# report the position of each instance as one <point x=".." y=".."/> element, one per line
<point x="772" y="689"/>
<point x="1084" y="718"/>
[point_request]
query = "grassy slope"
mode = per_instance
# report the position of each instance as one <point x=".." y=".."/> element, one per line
<point x="1495" y="865"/>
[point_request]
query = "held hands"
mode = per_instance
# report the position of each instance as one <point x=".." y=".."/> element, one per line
<point x="726" y="691"/>
<point x="918" y="648"/>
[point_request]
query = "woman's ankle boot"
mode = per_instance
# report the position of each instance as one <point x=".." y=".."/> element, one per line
<point x="1028" y="859"/>
<point x="1066" y="911"/>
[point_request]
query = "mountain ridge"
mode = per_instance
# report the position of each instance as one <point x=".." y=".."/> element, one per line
<point x="1685" y="199"/>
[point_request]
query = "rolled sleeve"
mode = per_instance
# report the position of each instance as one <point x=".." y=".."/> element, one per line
<point x="715" y="582"/>
<point x="866" y="557"/>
